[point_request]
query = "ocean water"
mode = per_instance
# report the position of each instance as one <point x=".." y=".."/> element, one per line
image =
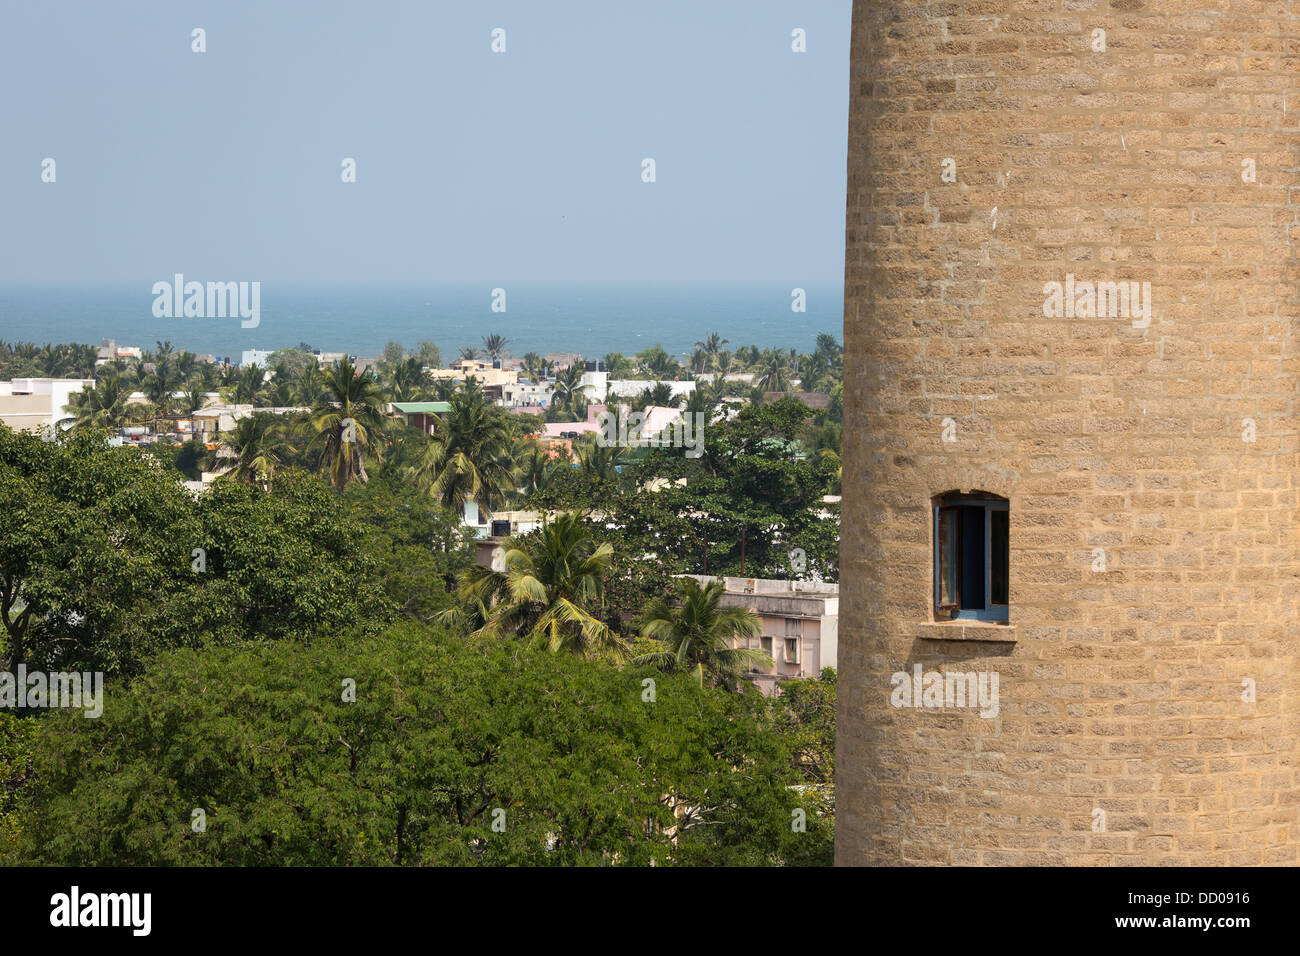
<point x="589" y="318"/>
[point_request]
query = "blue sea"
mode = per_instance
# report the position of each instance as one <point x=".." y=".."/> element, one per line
<point x="588" y="318"/>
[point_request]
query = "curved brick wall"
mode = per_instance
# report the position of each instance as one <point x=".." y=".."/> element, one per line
<point x="1119" y="690"/>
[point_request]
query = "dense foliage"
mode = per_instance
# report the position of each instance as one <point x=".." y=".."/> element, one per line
<point x="570" y="761"/>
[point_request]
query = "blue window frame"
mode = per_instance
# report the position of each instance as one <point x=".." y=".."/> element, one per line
<point x="971" y="557"/>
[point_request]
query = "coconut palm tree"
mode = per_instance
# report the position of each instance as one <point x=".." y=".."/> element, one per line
<point x="193" y="399"/>
<point x="659" y="394"/>
<point x="774" y="372"/>
<point x="407" y="380"/>
<point x="712" y="347"/>
<point x="349" y="423"/>
<point x="702" y="636"/>
<point x="568" y="389"/>
<point x="259" y="447"/>
<point x="494" y="345"/>
<point x="468" y="352"/>
<point x="602" y="461"/>
<point x="104" y="406"/>
<point x="552" y="583"/>
<point x="532" y="364"/>
<point x="308" y="385"/>
<point x="468" y="455"/>
<point x="247" y="386"/>
<point x="534" y="471"/>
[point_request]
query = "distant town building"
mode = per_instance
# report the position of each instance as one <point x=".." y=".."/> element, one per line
<point x="109" y="351"/>
<point x="420" y="414"/>
<point x="562" y="360"/>
<point x="260" y="357"/>
<point x="527" y="395"/>
<point x="492" y="378"/>
<point x="214" y="419"/>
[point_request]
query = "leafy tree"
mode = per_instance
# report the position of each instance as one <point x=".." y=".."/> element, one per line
<point x="442" y="741"/>
<point x="417" y="547"/>
<point x="99" y="567"/>
<point x="16" y="736"/>
<point x="804" y="717"/>
<point x="658" y="362"/>
<point x="429" y="354"/>
<point x="702" y="636"/>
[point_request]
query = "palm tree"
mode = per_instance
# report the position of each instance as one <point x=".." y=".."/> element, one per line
<point x="468" y="352"/>
<point x="258" y="445"/>
<point x="494" y="345"/>
<point x="712" y="347"/>
<point x="534" y="471"/>
<point x="103" y="406"/>
<point x="349" y="423"/>
<point x="659" y="394"/>
<point x="774" y="374"/>
<point x="568" y="389"/>
<point x="602" y="461"/>
<point x="308" y="385"/>
<point x="407" y="380"/>
<point x="553" y="582"/>
<point x="158" y="389"/>
<point x="468" y="455"/>
<point x="532" y="363"/>
<point x="193" y="399"/>
<point x="701" y="636"/>
<point x="247" y="386"/>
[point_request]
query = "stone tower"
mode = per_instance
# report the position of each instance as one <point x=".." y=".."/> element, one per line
<point x="1011" y="162"/>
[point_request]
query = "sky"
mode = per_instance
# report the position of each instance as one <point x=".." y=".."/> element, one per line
<point x="470" y="164"/>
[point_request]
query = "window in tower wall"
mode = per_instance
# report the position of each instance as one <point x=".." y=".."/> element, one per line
<point x="971" y="557"/>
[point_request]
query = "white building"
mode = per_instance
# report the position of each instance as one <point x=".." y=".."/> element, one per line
<point x="527" y="395"/>
<point x="31" y="404"/>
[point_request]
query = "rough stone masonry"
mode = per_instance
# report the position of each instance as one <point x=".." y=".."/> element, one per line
<point x="1148" y="677"/>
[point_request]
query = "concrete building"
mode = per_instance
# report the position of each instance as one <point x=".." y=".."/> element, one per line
<point x="527" y="395"/>
<point x="109" y="350"/>
<point x="800" y="624"/>
<point x="489" y="549"/>
<point x="1096" y="507"/>
<point x="492" y="379"/>
<point x="31" y="404"/>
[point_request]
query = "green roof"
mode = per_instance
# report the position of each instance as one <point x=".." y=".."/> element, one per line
<point x="426" y="408"/>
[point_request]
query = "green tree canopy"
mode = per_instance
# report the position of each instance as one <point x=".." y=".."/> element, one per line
<point x="573" y="762"/>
